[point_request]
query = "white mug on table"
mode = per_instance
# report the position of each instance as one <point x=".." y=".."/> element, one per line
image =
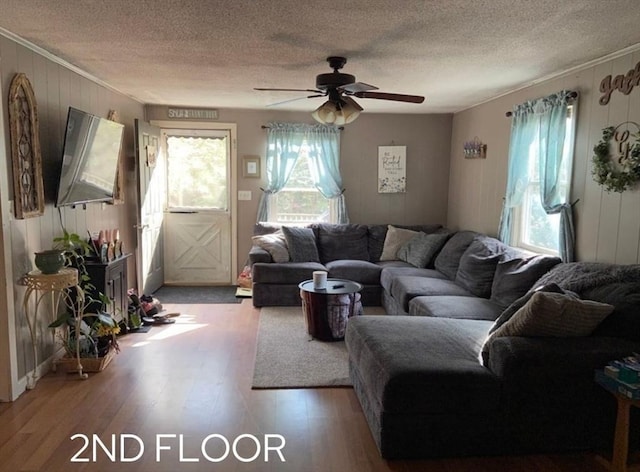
<point x="319" y="279"/>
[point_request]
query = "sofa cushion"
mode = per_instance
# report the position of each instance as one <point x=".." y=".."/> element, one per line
<point x="301" y="243"/>
<point x="478" y="265"/>
<point x="405" y="287"/>
<point x="513" y="278"/>
<point x="286" y="273"/>
<point x="416" y="365"/>
<point x="346" y="241"/>
<point x="364" y="272"/>
<point x="448" y="260"/>
<point x="420" y="250"/>
<point x="452" y="306"/>
<point x="550" y="314"/>
<point x="394" y="240"/>
<point x="275" y="244"/>
<point x="624" y="322"/>
<point x="378" y="233"/>
<point x="391" y="272"/>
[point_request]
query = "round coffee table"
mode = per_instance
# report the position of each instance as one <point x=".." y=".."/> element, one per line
<point x="327" y="310"/>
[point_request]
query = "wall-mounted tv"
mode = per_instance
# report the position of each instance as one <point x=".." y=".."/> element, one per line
<point x="89" y="159"/>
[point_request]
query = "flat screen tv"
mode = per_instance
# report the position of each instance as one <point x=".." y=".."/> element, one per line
<point x="89" y="159"/>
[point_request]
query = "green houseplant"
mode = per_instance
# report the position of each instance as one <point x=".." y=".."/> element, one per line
<point x="90" y="335"/>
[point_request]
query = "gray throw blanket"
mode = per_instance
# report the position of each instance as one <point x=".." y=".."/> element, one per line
<point x="580" y="277"/>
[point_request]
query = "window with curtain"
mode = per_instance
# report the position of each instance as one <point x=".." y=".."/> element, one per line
<point x="299" y="201"/>
<point x="535" y="229"/>
<point x="304" y="184"/>
<point x="536" y="214"/>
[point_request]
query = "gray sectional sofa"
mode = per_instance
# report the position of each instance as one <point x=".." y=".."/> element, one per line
<point x="449" y="375"/>
<point x="351" y="251"/>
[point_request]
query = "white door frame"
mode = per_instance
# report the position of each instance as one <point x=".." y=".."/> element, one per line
<point x="233" y="178"/>
<point x="10" y="385"/>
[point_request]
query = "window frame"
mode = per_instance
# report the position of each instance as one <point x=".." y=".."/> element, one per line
<point x="519" y="227"/>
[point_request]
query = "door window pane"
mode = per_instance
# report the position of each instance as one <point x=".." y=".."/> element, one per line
<point x="197" y="169"/>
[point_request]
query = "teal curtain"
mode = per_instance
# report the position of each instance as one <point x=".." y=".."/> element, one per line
<point x="523" y="132"/>
<point x="284" y="142"/>
<point x="539" y="124"/>
<point x="553" y="127"/>
<point x="324" y="155"/>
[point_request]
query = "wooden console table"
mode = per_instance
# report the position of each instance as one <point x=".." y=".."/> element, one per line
<point x="57" y="287"/>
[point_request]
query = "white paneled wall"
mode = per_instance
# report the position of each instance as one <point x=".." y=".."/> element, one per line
<point x="607" y="224"/>
<point x="56" y="88"/>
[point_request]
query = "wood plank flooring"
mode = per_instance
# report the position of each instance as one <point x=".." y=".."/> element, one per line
<point x="194" y="379"/>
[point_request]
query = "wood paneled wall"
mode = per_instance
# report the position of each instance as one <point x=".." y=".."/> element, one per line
<point x="56" y="88"/>
<point x="607" y="224"/>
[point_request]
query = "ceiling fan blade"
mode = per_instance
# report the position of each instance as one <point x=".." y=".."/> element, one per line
<point x="391" y="96"/>
<point x="357" y="87"/>
<point x="285" y="90"/>
<point x="293" y="100"/>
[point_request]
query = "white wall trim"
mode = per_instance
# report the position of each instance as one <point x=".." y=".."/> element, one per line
<point x="58" y="60"/>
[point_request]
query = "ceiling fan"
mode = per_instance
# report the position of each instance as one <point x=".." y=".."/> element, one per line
<point x="339" y="87"/>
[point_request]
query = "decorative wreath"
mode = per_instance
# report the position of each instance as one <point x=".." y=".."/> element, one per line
<point x="616" y="177"/>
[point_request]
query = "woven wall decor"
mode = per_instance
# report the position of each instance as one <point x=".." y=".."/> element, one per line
<point x="28" y="190"/>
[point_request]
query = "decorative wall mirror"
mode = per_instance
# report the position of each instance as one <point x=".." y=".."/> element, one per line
<point x="28" y="189"/>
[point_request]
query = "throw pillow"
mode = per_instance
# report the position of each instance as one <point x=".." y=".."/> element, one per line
<point x="275" y="244"/>
<point x="393" y="241"/>
<point x="448" y="260"/>
<point x="301" y="243"/>
<point x="342" y="241"/>
<point x="478" y="265"/>
<point x="513" y="278"/>
<point x="549" y="314"/>
<point x="520" y="302"/>
<point x="420" y="250"/>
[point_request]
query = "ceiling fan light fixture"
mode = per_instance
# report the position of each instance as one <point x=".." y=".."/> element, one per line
<point x="326" y="113"/>
<point x="341" y="113"/>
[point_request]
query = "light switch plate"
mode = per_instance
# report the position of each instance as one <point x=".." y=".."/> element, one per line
<point x="244" y="194"/>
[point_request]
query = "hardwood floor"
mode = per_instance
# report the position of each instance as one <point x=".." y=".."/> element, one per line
<point x="194" y="379"/>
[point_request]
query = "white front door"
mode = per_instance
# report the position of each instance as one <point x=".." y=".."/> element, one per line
<point x="197" y="231"/>
<point x="151" y="186"/>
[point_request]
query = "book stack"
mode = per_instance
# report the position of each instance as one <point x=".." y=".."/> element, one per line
<point x="622" y="376"/>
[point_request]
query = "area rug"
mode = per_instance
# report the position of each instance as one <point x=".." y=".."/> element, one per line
<point x="197" y="295"/>
<point x="287" y="357"/>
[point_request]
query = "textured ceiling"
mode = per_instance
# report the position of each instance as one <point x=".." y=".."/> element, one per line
<point x="457" y="53"/>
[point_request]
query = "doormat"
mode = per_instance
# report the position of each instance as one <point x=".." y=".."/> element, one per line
<point x="196" y="295"/>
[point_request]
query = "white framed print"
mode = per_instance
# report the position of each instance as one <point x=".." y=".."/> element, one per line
<point x="392" y="169"/>
<point x="251" y="166"/>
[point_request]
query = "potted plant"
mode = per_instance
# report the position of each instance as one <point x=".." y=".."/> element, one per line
<point x="88" y="336"/>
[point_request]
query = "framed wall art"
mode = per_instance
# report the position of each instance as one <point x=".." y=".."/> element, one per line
<point x="392" y="169"/>
<point x="251" y="166"/>
<point x="28" y="188"/>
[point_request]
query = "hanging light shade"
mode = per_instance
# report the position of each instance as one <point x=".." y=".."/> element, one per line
<point x="326" y="113"/>
<point x="344" y="110"/>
